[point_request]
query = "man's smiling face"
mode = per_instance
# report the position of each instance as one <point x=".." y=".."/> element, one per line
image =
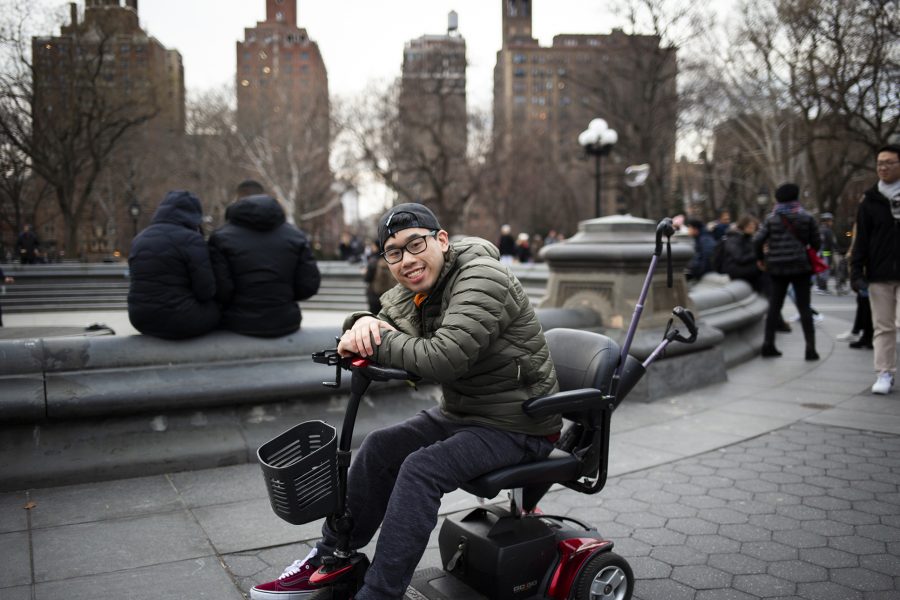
<point x="418" y="272"/>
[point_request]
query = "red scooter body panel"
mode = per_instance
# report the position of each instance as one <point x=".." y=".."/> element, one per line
<point x="573" y="553"/>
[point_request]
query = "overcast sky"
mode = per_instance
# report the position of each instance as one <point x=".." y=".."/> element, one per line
<point x="360" y="40"/>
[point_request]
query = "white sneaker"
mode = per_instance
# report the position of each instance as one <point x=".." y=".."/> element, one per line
<point x="883" y="384"/>
<point x="818" y="318"/>
<point x="847" y="336"/>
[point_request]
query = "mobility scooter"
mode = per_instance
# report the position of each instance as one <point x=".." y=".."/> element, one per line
<point x="490" y="552"/>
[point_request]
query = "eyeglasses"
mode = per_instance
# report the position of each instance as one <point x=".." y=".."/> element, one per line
<point x="416" y="245"/>
<point x="887" y="163"/>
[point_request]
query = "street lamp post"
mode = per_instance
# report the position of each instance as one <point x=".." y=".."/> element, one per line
<point x="597" y="140"/>
<point x="134" y="209"/>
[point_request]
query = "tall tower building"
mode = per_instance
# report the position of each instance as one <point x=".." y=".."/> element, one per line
<point x="433" y="118"/>
<point x="107" y="96"/>
<point x="283" y="115"/>
<point x="544" y="96"/>
<point x="134" y="68"/>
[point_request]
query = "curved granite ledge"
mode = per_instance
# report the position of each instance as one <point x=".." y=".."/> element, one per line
<point x="51" y="379"/>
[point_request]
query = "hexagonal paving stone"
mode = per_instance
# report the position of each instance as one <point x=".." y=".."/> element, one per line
<point x="862" y="579"/>
<point x="827" y="591"/>
<point x="764" y="586"/>
<point x="713" y="544"/>
<point x="723" y="595"/>
<point x="768" y="551"/>
<point x="774" y="522"/>
<point x="745" y="533"/>
<point x="679" y="556"/>
<point x="724" y="516"/>
<point x="701" y="577"/>
<point x="662" y="588"/>
<point x="659" y="537"/>
<point x="799" y="538"/>
<point x="798" y="571"/>
<point x="882" y="533"/>
<point x="858" y="545"/>
<point x="641" y="520"/>
<point x="692" y="526"/>
<point x="645" y="567"/>
<point x="738" y="564"/>
<point x="853" y="517"/>
<point x="883" y="563"/>
<point x="829" y="557"/>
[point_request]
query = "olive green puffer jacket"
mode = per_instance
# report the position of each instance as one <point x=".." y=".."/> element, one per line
<point x="478" y="336"/>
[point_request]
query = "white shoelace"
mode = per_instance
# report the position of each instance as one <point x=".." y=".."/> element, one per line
<point x="295" y="566"/>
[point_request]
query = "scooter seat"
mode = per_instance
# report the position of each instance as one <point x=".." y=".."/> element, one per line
<point x="559" y="467"/>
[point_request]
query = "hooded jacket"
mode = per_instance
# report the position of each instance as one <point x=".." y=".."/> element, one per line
<point x="263" y="266"/>
<point x="172" y="283"/>
<point x="876" y="248"/>
<point x="787" y="236"/>
<point x="477" y="335"/>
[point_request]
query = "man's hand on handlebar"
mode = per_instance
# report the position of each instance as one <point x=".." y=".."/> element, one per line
<point x="363" y="337"/>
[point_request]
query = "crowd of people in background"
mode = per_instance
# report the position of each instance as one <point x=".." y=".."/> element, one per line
<point x="773" y="256"/>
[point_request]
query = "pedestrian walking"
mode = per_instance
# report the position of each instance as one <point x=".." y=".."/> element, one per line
<point x="507" y="245"/>
<point x="786" y="233"/>
<point x="875" y="264"/>
<point x="826" y="251"/>
<point x="28" y="245"/>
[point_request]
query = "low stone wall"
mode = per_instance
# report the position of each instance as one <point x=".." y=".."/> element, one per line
<point x="61" y="378"/>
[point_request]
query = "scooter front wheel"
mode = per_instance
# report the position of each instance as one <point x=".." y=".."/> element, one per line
<point x="606" y="576"/>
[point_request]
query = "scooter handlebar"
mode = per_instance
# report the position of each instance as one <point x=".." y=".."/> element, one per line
<point x="371" y="370"/>
<point x="666" y="229"/>
<point x="378" y="372"/>
<point x="686" y="317"/>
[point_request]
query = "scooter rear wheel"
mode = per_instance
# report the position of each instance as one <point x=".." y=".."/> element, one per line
<point x="606" y="576"/>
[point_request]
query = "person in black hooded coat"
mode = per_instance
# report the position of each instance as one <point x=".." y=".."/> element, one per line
<point x="263" y="266"/>
<point x="172" y="284"/>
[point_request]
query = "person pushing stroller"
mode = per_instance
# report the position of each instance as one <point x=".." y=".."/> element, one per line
<point x="460" y="318"/>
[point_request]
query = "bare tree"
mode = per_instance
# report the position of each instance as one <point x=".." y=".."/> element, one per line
<point x="437" y="155"/>
<point x="59" y="109"/>
<point x="811" y="90"/>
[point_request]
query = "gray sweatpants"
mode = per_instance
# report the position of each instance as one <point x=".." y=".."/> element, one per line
<point x="398" y="478"/>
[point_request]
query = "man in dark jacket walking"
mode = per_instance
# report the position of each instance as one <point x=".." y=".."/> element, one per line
<point x="263" y="266"/>
<point x="876" y="261"/>
<point x="786" y="233"/>
<point x="172" y="284"/>
<point x="461" y="318"/>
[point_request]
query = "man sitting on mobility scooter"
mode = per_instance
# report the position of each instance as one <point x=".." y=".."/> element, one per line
<point x="460" y="318"/>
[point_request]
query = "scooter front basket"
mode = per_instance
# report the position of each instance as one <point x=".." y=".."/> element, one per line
<point x="300" y="468"/>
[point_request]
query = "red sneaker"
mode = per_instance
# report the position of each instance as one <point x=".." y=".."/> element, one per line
<point x="293" y="584"/>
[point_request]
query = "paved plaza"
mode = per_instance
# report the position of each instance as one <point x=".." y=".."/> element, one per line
<point x="782" y="483"/>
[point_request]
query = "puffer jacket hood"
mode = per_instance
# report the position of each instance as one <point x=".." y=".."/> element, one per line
<point x="180" y="207"/>
<point x="261" y="213"/>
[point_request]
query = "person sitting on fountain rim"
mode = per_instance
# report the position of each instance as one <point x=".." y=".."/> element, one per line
<point x="462" y="319"/>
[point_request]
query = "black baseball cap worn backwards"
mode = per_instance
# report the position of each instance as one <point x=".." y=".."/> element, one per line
<point x="405" y="216"/>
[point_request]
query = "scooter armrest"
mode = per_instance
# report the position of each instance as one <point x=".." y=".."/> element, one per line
<point x="571" y="401"/>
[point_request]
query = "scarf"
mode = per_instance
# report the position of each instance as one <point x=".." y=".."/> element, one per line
<point x="788" y="208"/>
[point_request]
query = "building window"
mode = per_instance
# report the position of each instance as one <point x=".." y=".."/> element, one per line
<point x="519" y="100"/>
<point x="519" y="73"/>
<point x="519" y="58"/>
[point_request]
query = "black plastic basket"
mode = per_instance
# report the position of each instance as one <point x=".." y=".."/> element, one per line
<point x="300" y="467"/>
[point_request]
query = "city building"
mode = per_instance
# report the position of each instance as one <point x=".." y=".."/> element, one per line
<point x="283" y="119"/>
<point x="545" y="96"/>
<point x="432" y="120"/>
<point x="103" y="83"/>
